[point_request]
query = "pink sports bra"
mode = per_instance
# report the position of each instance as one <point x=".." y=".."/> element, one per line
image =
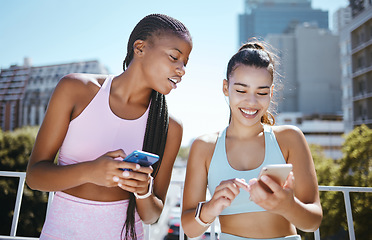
<point x="97" y="130"/>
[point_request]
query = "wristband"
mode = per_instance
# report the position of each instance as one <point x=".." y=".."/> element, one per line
<point x="148" y="193"/>
<point x="197" y="215"/>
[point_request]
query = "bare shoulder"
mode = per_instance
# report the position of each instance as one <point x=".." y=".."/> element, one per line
<point x="292" y="141"/>
<point x="207" y="139"/>
<point x="201" y="153"/>
<point x="77" y="82"/>
<point x="204" y="145"/>
<point x="287" y="132"/>
<point x="76" y="90"/>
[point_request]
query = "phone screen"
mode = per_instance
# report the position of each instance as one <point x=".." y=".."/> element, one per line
<point x="142" y="158"/>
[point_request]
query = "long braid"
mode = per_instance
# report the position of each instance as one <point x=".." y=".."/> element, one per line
<point x="154" y="142"/>
<point x="157" y="128"/>
<point x="158" y="119"/>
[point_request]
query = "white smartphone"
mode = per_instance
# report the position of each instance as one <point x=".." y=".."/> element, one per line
<point x="278" y="172"/>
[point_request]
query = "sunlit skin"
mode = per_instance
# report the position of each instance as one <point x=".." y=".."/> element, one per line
<point x="249" y="95"/>
<point x="250" y="91"/>
<point x="154" y="64"/>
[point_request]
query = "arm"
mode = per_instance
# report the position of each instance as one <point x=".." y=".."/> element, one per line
<point x="195" y="188"/>
<point x="306" y="212"/>
<point x="42" y="173"/>
<point x="196" y="185"/>
<point x="298" y="201"/>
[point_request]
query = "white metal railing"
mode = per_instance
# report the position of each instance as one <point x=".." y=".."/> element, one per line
<point x="349" y="216"/>
<point x="22" y="175"/>
<point x="17" y="206"/>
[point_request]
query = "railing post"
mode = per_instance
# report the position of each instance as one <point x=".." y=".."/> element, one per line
<point x="349" y="214"/>
<point x="213" y="230"/>
<point x="17" y="206"/>
<point x="147" y="228"/>
<point x="317" y="234"/>
<point x="182" y="237"/>
<point x="50" y="200"/>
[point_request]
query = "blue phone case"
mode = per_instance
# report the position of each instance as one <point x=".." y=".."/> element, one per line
<point x="142" y="158"/>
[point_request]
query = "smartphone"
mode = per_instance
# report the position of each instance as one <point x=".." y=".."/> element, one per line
<point x="143" y="158"/>
<point x="278" y="172"/>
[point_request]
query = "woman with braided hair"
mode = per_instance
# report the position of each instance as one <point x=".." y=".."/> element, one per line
<point x="95" y="121"/>
<point x="228" y="163"/>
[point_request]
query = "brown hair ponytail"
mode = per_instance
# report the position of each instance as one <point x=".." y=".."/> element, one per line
<point x="256" y="54"/>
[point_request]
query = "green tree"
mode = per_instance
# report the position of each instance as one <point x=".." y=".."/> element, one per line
<point x="15" y="149"/>
<point x="327" y="171"/>
<point x="353" y="169"/>
<point x="183" y="153"/>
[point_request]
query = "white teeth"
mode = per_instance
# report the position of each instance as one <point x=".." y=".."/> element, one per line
<point x="249" y="112"/>
<point x="173" y="80"/>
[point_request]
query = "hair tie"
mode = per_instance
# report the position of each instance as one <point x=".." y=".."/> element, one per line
<point x="247" y="46"/>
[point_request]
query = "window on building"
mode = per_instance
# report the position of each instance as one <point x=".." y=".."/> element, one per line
<point x="362" y="86"/>
<point x="360" y="37"/>
<point x="360" y="62"/>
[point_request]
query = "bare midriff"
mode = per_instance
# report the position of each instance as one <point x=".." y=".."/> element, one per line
<point x="256" y="225"/>
<point x="94" y="192"/>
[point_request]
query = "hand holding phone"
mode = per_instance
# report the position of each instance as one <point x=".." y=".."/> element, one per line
<point x="278" y="172"/>
<point x="143" y="158"/>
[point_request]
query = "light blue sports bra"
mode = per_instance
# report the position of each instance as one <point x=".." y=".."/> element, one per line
<point x="220" y="170"/>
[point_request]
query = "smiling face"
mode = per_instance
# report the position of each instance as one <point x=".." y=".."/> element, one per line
<point x="164" y="58"/>
<point x="250" y="91"/>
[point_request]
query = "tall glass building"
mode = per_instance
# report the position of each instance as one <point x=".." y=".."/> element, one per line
<point x="262" y="17"/>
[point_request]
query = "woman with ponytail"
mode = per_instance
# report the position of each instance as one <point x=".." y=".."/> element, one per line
<point x="94" y="122"/>
<point x="228" y="163"/>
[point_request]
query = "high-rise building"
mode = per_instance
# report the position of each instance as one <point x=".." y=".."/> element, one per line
<point x="341" y="18"/>
<point x="310" y="70"/>
<point x="356" y="64"/>
<point x="311" y="78"/>
<point x="262" y="17"/>
<point x="25" y="90"/>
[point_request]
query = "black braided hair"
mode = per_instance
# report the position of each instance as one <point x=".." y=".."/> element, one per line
<point x="158" y="119"/>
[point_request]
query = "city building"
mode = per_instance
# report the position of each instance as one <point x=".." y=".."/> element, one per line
<point x="311" y="77"/>
<point x="13" y="83"/>
<point x="310" y="70"/>
<point x="356" y="64"/>
<point x="309" y="53"/>
<point x="25" y="90"/>
<point x="262" y="17"/>
<point x="323" y="130"/>
<point x="341" y="18"/>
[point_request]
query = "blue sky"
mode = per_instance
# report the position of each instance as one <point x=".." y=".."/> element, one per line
<point x="55" y="31"/>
